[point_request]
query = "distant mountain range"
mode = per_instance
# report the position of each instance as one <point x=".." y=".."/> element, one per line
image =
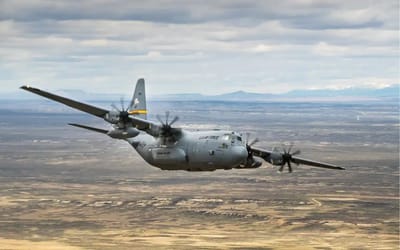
<point x="391" y="92"/>
<point x="320" y="94"/>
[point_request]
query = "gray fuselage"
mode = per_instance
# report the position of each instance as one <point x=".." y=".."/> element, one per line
<point x="193" y="151"/>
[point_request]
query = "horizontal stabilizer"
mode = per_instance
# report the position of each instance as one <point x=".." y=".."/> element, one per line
<point x="89" y="128"/>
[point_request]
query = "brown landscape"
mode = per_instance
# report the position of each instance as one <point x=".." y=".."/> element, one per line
<point x="65" y="188"/>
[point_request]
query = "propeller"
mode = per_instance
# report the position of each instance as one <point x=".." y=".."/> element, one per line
<point x="287" y="158"/>
<point x="250" y="159"/>
<point x="123" y="114"/>
<point x="166" y="130"/>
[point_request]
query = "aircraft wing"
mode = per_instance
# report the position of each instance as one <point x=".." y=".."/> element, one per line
<point x="71" y="103"/>
<point x="145" y="125"/>
<point x="141" y="124"/>
<point x="265" y="154"/>
<point x="270" y="155"/>
<point x="298" y="160"/>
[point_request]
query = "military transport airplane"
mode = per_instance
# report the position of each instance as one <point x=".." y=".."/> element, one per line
<point x="171" y="148"/>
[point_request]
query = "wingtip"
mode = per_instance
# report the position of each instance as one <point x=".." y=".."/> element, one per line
<point x="74" y="124"/>
<point x="26" y="87"/>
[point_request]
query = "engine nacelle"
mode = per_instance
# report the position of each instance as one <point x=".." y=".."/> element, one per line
<point x="276" y="158"/>
<point x="112" y="117"/>
<point x="123" y="133"/>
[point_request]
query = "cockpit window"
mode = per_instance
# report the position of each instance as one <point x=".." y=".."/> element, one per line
<point x="232" y="138"/>
<point x="226" y="137"/>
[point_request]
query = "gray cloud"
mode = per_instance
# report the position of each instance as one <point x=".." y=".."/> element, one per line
<point x="297" y="13"/>
<point x="268" y="46"/>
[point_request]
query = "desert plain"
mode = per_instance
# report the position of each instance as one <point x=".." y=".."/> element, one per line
<point x="66" y="188"/>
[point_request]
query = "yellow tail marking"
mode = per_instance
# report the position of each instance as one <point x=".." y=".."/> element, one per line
<point x="138" y="112"/>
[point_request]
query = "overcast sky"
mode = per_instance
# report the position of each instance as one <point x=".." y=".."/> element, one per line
<point x="194" y="46"/>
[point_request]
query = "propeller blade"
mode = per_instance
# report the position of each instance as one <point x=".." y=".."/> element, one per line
<point x="176" y="118"/>
<point x="115" y="107"/>
<point x="290" y="148"/>
<point x="247" y="138"/>
<point x="254" y="142"/>
<point x="122" y="103"/>
<point x="281" y="168"/>
<point x="159" y="119"/>
<point x="290" y="167"/>
<point x="166" y="117"/>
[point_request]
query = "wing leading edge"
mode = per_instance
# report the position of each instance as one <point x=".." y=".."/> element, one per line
<point x="298" y="160"/>
<point x="71" y="103"/>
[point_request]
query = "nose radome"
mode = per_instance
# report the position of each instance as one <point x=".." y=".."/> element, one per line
<point x="239" y="153"/>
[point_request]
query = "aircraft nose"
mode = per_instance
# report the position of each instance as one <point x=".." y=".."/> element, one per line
<point x="239" y="153"/>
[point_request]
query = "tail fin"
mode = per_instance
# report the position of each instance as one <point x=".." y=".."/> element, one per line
<point x="137" y="106"/>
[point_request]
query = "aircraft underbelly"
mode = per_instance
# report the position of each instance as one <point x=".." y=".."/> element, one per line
<point x="192" y="159"/>
<point x="169" y="158"/>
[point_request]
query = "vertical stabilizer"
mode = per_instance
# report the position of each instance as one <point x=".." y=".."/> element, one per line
<point x="137" y="106"/>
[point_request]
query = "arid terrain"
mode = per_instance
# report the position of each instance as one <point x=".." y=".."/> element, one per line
<point x="66" y="188"/>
